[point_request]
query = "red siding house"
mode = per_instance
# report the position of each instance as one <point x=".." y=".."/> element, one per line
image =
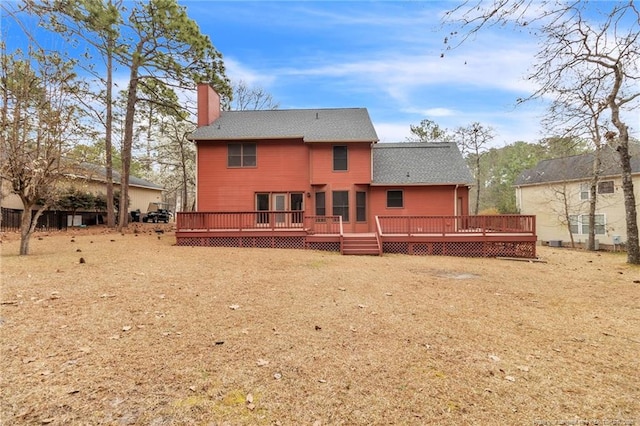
<point x="318" y="178"/>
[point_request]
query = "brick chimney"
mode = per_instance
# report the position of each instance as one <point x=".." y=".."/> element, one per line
<point x="208" y="105"/>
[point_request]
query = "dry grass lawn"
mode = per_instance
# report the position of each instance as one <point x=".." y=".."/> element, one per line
<point x="147" y="333"/>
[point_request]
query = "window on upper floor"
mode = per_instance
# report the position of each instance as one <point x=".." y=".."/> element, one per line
<point x="241" y="155"/>
<point x="605" y="187"/>
<point x="395" y="198"/>
<point x="585" y="191"/>
<point x="339" y="158"/>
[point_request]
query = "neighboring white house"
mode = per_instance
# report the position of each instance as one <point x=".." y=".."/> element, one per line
<point x="559" y="187"/>
<point x="92" y="179"/>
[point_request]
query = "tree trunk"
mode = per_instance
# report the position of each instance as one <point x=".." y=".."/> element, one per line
<point x="185" y="190"/>
<point x="477" y="208"/>
<point x="567" y="218"/>
<point x="127" y="146"/>
<point x="591" y="240"/>
<point x="185" y="178"/>
<point x="633" y="244"/>
<point x="28" y="222"/>
<point x="25" y="230"/>
<point x="111" y="221"/>
<point x="633" y="248"/>
<point x="593" y="200"/>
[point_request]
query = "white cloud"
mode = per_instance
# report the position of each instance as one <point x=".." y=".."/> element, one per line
<point x="392" y="132"/>
<point x="386" y="56"/>
<point x="237" y="71"/>
<point x="432" y="112"/>
<point x="400" y="74"/>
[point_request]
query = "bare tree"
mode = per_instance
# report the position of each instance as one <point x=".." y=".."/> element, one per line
<point x="578" y="111"/>
<point x="37" y="121"/>
<point x="603" y="44"/>
<point x="176" y="158"/>
<point x="175" y="154"/>
<point x="251" y="98"/>
<point x="562" y="205"/>
<point x="473" y="141"/>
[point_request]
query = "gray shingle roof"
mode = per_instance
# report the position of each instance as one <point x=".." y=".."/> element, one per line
<point x="576" y="167"/>
<point x="312" y="125"/>
<point x="99" y="173"/>
<point x="419" y="163"/>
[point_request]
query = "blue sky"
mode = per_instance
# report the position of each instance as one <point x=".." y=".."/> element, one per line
<point x="381" y="55"/>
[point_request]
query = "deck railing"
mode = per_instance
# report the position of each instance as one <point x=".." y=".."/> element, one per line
<point x="385" y="225"/>
<point x="254" y="220"/>
<point x="444" y="225"/>
<point x="324" y="225"/>
<point x="258" y="220"/>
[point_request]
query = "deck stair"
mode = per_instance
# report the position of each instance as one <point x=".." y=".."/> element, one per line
<point x="360" y="244"/>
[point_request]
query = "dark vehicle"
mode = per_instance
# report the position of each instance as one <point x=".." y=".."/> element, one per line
<point x="135" y="215"/>
<point x="157" y="212"/>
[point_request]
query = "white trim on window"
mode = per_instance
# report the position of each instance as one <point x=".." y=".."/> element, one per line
<point x="585" y="191"/>
<point x="580" y="224"/>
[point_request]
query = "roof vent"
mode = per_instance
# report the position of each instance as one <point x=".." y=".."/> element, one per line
<point x="317" y="115"/>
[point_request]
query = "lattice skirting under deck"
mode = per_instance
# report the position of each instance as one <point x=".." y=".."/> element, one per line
<point x="524" y="249"/>
<point x="258" y="242"/>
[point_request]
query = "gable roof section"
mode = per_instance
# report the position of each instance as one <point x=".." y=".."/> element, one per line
<point x="312" y="125"/>
<point x="99" y="174"/>
<point x="576" y="167"/>
<point x="420" y="163"/>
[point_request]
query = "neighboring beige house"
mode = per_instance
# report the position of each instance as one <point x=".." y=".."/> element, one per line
<point x="91" y="179"/>
<point x="557" y="187"/>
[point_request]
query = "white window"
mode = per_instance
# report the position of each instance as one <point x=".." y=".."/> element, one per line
<point x="585" y="191"/>
<point x="580" y="224"/>
<point x="574" y="223"/>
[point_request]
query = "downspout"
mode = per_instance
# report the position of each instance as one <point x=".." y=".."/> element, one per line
<point x="369" y="210"/>
<point x="455" y="207"/>
<point x="312" y="190"/>
<point x="371" y="162"/>
<point x="455" y="200"/>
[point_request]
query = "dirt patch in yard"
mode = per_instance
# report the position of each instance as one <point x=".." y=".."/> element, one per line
<point x="145" y="332"/>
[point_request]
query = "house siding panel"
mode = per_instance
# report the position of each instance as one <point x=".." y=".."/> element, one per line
<point x="359" y="164"/>
<point x="355" y="178"/>
<point x="419" y="201"/>
<point x="282" y="166"/>
<point x="545" y="201"/>
<point x="293" y="166"/>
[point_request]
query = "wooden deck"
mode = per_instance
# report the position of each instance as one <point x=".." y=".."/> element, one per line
<point x="487" y="236"/>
